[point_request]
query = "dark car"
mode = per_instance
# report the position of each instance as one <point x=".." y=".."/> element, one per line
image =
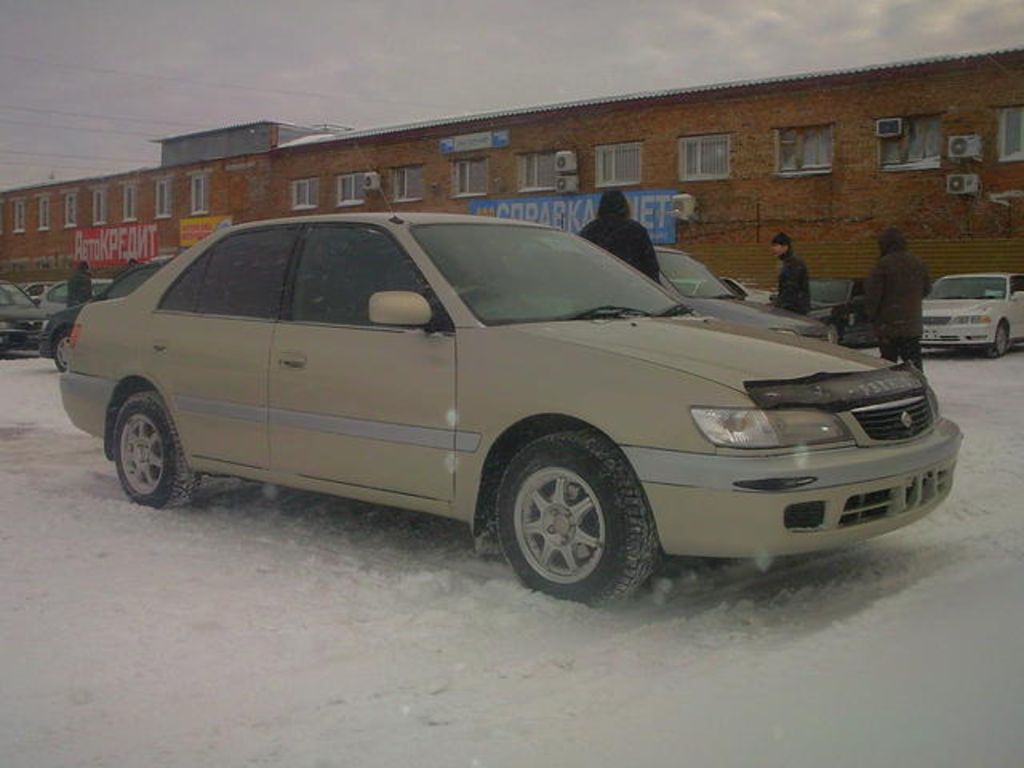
<point x="704" y="293"/>
<point x="56" y="336"/>
<point x="20" y="320"/>
<point x="839" y="302"/>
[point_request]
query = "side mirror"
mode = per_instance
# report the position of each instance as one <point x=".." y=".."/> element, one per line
<point x="399" y="308"/>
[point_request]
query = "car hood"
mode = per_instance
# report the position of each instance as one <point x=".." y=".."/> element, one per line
<point x="21" y="313"/>
<point x="736" y="311"/>
<point x="711" y="349"/>
<point x="943" y="307"/>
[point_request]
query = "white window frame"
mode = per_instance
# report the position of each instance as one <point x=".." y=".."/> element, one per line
<point x="466" y="176"/>
<point x="199" y="193"/>
<point x="71" y="209"/>
<point x="356" y="182"/>
<point x="1005" y="153"/>
<point x="904" y="145"/>
<point x="400" y="183"/>
<point x="607" y="161"/>
<point x="130" y="202"/>
<point x="99" y="206"/>
<point x="18" y="217"/>
<point x="162" y="200"/>
<point x="44" y="213"/>
<point x="305" y="193"/>
<point x="530" y="172"/>
<point x="703" y="145"/>
<point x="801" y="135"/>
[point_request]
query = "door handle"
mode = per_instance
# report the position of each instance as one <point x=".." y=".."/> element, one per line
<point x="159" y="345"/>
<point x="294" y="361"/>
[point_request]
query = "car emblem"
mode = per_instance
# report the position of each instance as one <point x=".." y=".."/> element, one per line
<point x="906" y="419"/>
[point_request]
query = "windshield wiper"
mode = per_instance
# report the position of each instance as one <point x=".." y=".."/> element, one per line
<point x="675" y="310"/>
<point x="608" y="311"/>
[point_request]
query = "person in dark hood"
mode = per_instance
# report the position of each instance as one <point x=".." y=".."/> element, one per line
<point x="615" y="231"/>
<point x="794" y="291"/>
<point x="893" y="293"/>
<point x="80" y="285"/>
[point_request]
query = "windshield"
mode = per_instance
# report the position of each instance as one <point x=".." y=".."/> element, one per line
<point x="13" y="296"/>
<point x="829" y="290"/>
<point x="129" y="281"/>
<point x="969" y="288"/>
<point x="690" y="277"/>
<point x="517" y="274"/>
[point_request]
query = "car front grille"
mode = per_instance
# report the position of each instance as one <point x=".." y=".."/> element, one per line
<point x="915" y="491"/>
<point x="896" y="420"/>
<point x="935" y="320"/>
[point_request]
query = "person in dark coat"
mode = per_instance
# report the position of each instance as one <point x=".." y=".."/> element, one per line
<point x="893" y="293"/>
<point x="794" y="291"/>
<point x="615" y="231"/>
<point x="80" y="285"/>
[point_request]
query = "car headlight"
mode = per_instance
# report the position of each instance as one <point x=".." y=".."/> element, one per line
<point x="971" y="320"/>
<point x="755" y="428"/>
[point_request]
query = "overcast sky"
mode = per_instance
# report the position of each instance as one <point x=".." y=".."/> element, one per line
<point x="85" y="86"/>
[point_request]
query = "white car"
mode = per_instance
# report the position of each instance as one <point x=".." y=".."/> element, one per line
<point x="56" y="297"/>
<point x="979" y="311"/>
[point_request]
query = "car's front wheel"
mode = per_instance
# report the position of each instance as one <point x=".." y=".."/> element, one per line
<point x="147" y="452"/>
<point x="1001" y="343"/>
<point x="573" y="520"/>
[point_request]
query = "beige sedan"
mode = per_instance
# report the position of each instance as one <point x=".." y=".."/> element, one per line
<point x="508" y="375"/>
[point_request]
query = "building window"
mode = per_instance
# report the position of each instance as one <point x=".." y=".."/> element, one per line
<point x="162" y="207"/>
<point x="19" y="216"/>
<point x="536" y="171"/>
<point x="469" y="178"/>
<point x="918" y="147"/>
<point x="805" y="150"/>
<point x="1011" y="133"/>
<point x="304" y="194"/>
<point x="129" y="200"/>
<point x="70" y="210"/>
<point x="407" y="183"/>
<point x="44" y="213"/>
<point x="704" y="157"/>
<point x="350" y="189"/>
<point x="99" y="206"/>
<point x="618" y="164"/>
<point x="200" y="184"/>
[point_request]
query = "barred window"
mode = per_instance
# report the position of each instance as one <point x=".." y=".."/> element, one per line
<point x="805" y="149"/>
<point x="537" y="171"/>
<point x="704" y="157"/>
<point x="618" y="164"/>
<point x="469" y="177"/>
<point x="919" y="144"/>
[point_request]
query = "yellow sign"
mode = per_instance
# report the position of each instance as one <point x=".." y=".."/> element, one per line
<point x="194" y="230"/>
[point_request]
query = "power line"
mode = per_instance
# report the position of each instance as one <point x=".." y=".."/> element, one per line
<point x="75" y="128"/>
<point x="76" y="157"/>
<point x="103" y="117"/>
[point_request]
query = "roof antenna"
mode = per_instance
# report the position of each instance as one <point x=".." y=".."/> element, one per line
<point x="395" y="218"/>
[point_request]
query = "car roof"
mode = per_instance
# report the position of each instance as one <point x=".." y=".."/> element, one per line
<point x="386" y="219"/>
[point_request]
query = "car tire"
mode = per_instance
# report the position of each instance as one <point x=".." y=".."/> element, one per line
<point x="1001" y="343"/>
<point x="573" y="519"/>
<point x="61" y="346"/>
<point x="147" y="452"/>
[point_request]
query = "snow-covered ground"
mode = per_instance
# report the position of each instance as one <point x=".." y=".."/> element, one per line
<point x="273" y="628"/>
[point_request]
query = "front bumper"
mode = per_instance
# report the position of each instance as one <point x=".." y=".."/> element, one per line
<point x="852" y="494"/>
<point x="15" y="339"/>
<point x="973" y="335"/>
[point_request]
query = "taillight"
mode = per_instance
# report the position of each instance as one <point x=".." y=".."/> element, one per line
<point x="76" y="333"/>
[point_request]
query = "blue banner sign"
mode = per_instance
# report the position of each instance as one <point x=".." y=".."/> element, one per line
<point x="471" y="142"/>
<point x="651" y="207"/>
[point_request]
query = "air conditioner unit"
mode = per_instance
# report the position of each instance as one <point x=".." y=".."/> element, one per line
<point x="889" y="127"/>
<point x="965" y="147"/>
<point x="568" y="183"/>
<point x="371" y="181"/>
<point x="565" y="161"/>
<point x="963" y="184"/>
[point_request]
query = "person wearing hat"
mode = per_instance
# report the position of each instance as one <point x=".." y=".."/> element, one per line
<point x="615" y="231"/>
<point x="794" y="291"/>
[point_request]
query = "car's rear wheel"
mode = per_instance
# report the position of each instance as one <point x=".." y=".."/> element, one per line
<point x="147" y="452"/>
<point x="573" y="519"/>
<point x="62" y="349"/>
<point x="1001" y="343"/>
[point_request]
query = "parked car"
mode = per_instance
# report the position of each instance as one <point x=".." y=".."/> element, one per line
<point x="839" y="302"/>
<point x="747" y="292"/>
<point x="976" y="311"/>
<point x="20" y="319"/>
<point x="706" y="294"/>
<point x="56" y="297"/>
<point x="55" y="340"/>
<point x="509" y="375"/>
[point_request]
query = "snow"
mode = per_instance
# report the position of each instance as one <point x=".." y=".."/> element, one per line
<point x="263" y="626"/>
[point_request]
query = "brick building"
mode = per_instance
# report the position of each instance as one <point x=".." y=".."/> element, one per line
<point x="935" y="147"/>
